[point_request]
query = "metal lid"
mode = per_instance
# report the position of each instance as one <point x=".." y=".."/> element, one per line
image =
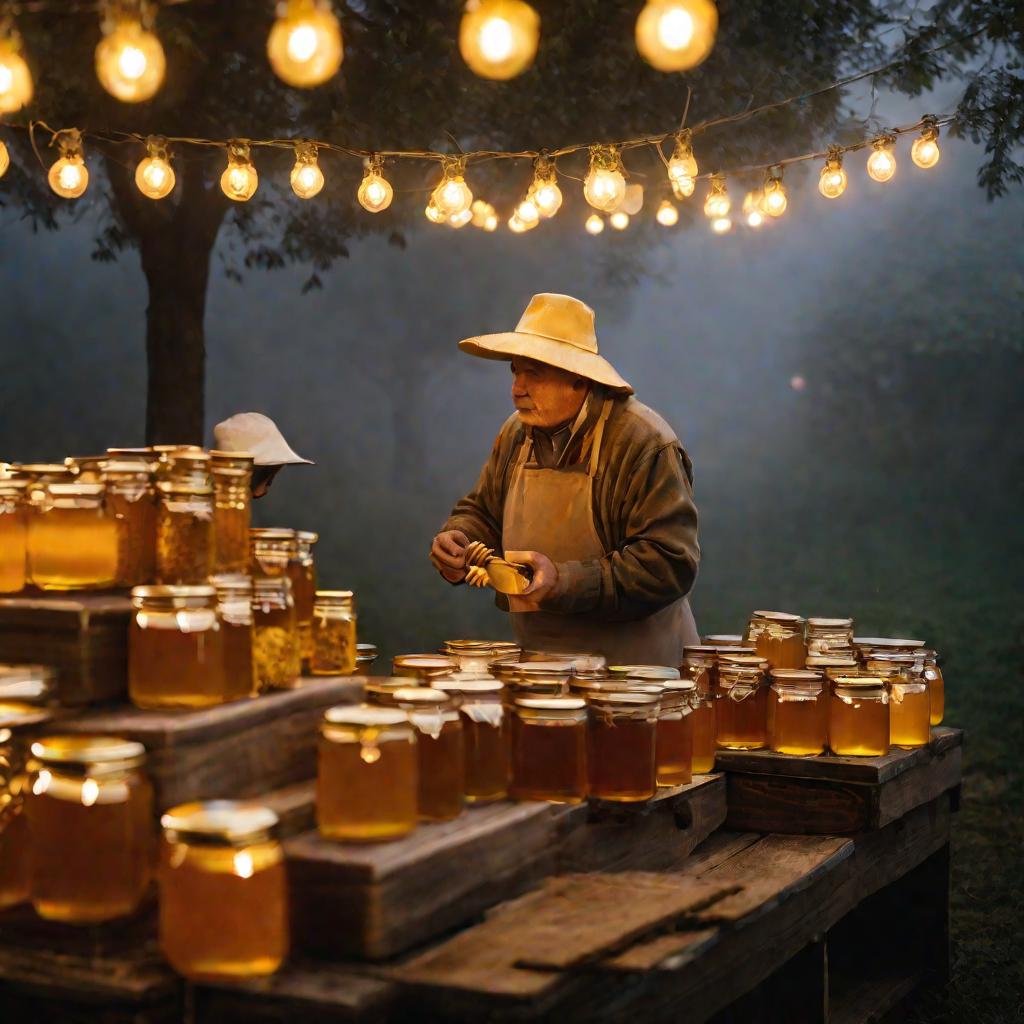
<point x="707" y="650"/>
<point x="84" y="751"/>
<point x="42" y="468"/>
<point x="130" y="452"/>
<point x="231" y="583"/>
<point x="480" y="647"/>
<point x="136" y="468"/>
<point x="644" y="671"/>
<point x="32" y="684"/>
<point x="364" y="714"/>
<point x="335" y="596"/>
<point x="631" y="698"/>
<point x="422" y="697"/>
<point x="231" y="822"/>
<point x="172" y="591"/>
<point x="581" y="661"/>
<point x="76" y="489"/>
<point x="384" y="688"/>
<point x="743" y="660"/>
<point x="366" y="652"/>
<point x="885" y="641"/>
<point x="795" y="675"/>
<point x="14" y="714"/>
<point x="551" y="703"/>
<point x="830" y="661"/>
<point x="724" y="640"/>
<point x="423" y="666"/>
<point x="778" y="616"/>
<point x="867" y="679"/>
<point x="306" y="536"/>
<point x="468" y="686"/>
<point x="271" y="533"/>
<point x="830" y="623"/>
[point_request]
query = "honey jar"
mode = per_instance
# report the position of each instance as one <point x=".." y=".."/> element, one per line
<point x="829" y="636"/>
<point x="533" y="678"/>
<point x="485" y="735"/>
<point x="442" y="777"/>
<point x="334" y="633"/>
<point x="223" y="891"/>
<point x="381" y="690"/>
<point x="131" y="499"/>
<point x="674" y="747"/>
<point x="621" y="736"/>
<point x="701" y="668"/>
<point x="232" y="510"/>
<point x="832" y="665"/>
<point x="936" y="685"/>
<point x="275" y="650"/>
<point x="865" y="646"/>
<point x="778" y="638"/>
<point x="423" y="667"/>
<point x="72" y="537"/>
<point x="741" y="704"/>
<point x="797" y="712"/>
<point x="654" y="673"/>
<point x="474" y="656"/>
<point x="185" y="518"/>
<point x="366" y="655"/>
<point x="13" y="536"/>
<point x="90" y="813"/>
<point x="549" y="749"/>
<point x="271" y="550"/>
<point x="582" y="663"/>
<point x="858" y="717"/>
<point x="302" y="573"/>
<point x="909" y="704"/>
<point x="368" y="776"/>
<point x="235" y="614"/>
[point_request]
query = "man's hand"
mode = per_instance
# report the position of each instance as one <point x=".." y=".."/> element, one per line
<point x="448" y="555"/>
<point x="545" y="576"/>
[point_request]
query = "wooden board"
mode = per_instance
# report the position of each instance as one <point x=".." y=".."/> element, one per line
<point x="83" y="636"/>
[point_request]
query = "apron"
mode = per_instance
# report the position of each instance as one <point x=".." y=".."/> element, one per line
<point x="552" y="511"/>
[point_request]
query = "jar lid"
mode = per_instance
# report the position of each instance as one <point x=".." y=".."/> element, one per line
<point x="130" y="452"/>
<point x="364" y="714"/>
<point x="885" y="642"/>
<point x="124" y="468"/>
<point x="77" y="462"/>
<point x="244" y="459"/>
<point x="335" y="596"/>
<point x="232" y="583"/>
<point x="385" y="687"/>
<point x="795" y="675"/>
<point x="585" y="687"/>
<point x="480" y="647"/>
<point x="14" y="715"/>
<point x="551" y="703"/>
<point x="231" y="822"/>
<point x="306" y="536"/>
<point x="677" y="685"/>
<point x="744" y="660"/>
<point x="626" y="698"/>
<point x="166" y="449"/>
<point x="273" y="584"/>
<point x="173" y="595"/>
<point x="271" y="533"/>
<point x="644" y="671"/>
<point x="76" y="489"/>
<point x="830" y="661"/>
<point x="830" y="623"/>
<point x="581" y="661"/>
<point x="10" y="484"/>
<point x="869" y="679"/>
<point x="366" y="652"/>
<point x="723" y="640"/>
<point x="468" y="686"/>
<point x="185" y="453"/>
<point x="778" y="616"/>
<point x="426" y="666"/>
<point x="85" y="751"/>
<point x="701" y="650"/>
<point x="422" y="697"/>
<point x="32" y="684"/>
<point x="41" y="468"/>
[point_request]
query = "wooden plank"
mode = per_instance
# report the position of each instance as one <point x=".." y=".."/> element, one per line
<point x="295" y="807"/>
<point x="871" y="999"/>
<point x="918" y="786"/>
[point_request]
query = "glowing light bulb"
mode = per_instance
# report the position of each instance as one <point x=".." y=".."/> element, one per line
<point x="682" y="165"/>
<point x="546" y="194"/>
<point x="755" y="219"/>
<point x="516" y="225"/>
<point x="154" y="175"/>
<point x="130" y="61"/>
<point x="882" y="163"/>
<point x="925" y="151"/>
<point x="594" y="224"/>
<point x="460" y="220"/>
<point x="527" y="211"/>
<point x="305" y="44"/>
<point x="775" y="200"/>
<point x="721" y="225"/>
<point x="69" y="177"/>
<point x="717" y="205"/>
<point x="5" y="159"/>
<point x="433" y="214"/>
<point x="619" y="220"/>
<point x="15" y="77"/>
<point x="306" y="178"/>
<point x="752" y="208"/>
<point x="605" y="185"/>
<point x="491" y="223"/>
<point x="239" y="180"/>
<point x="375" y="192"/>
<point x="452" y="195"/>
<point x="667" y="214"/>
<point x="683" y="188"/>
<point x="675" y="35"/>
<point x="498" y="38"/>
<point x="832" y="180"/>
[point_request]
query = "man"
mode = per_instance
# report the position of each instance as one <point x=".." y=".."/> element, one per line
<point x="258" y="435"/>
<point x="588" y="487"/>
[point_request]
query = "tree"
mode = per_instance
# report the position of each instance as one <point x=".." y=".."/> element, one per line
<point x="403" y="86"/>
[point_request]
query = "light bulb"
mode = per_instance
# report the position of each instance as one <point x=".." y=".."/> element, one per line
<point x="453" y="195"/>
<point x="375" y="192"/>
<point x="682" y="165"/>
<point x="5" y="159"/>
<point x="832" y="180"/>
<point x="619" y="220"/>
<point x="775" y="200"/>
<point x="752" y="208"/>
<point x="491" y="223"/>
<point x="605" y="185"/>
<point x="305" y="45"/>
<point x="881" y="163"/>
<point x="15" y="77"/>
<point x="721" y="225"/>
<point x="130" y="61"/>
<point x="239" y="180"/>
<point x="925" y="151"/>
<point x="683" y="188"/>
<point x="154" y="176"/>
<point x="516" y="225"/>
<point x="433" y="214"/>
<point x="548" y="197"/>
<point x="717" y="205"/>
<point x="306" y="180"/>
<point x="594" y="224"/>
<point x="498" y="38"/>
<point x="69" y="177"/>
<point x="675" y="35"/>
<point x="527" y="211"/>
<point x="667" y="214"/>
<point x="460" y="220"/>
<point x="754" y="219"/>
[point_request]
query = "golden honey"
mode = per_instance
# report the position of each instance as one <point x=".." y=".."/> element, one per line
<point x="368" y="777"/>
<point x="705" y="735"/>
<point x="621" y="736"/>
<point x="13" y="536"/>
<point x="184" y="534"/>
<point x="271" y="550"/>
<point x="90" y="813"/>
<point x="909" y="715"/>
<point x="741" y="705"/>
<point x="232" y="510"/>
<point x="858" y="717"/>
<point x="442" y="774"/>
<point x="674" y="746"/>
<point x="797" y="712"/>
<point x="302" y="573"/>
<point x="366" y="655"/>
<point x="223" y="891"/>
<point x="132" y="501"/>
<point x="828" y="636"/>
<point x="549" y="749"/>
<point x="778" y="637"/>
<point x="235" y="614"/>
<point x="936" y="687"/>
<point x="276" y="656"/>
<point x="333" y="634"/>
<point x="485" y="736"/>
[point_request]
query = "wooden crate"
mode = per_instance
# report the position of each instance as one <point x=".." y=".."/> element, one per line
<point x="829" y="795"/>
<point x="83" y="636"/>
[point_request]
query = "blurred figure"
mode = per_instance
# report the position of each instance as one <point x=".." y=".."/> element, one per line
<point x="258" y="435"/>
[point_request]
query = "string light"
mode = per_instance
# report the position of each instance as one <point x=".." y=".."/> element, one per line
<point x="527" y="211"/>
<point x="605" y="185"/>
<point x="239" y="180"/>
<point x="498" y="38"/>
<point x="460" y="220"/>
<point x="546" y="193"/>
<point x="305" y="45"/>
<point x="15" y="77"/>
<point x="667" y="215"/>
<point x="775" y="199"/>
<point x="375" y="191"/>
<point x="452" y="194"/>
<point x="433" y="214"/>
<point x="717" y="205"/>
<point x="832" y="180"/>
<point x="619" y="220"/>
<point x="130" y="61"/>
<point x="721" y="225"/>
<point x="682" y="167"/>
<point x="485" y="216"/>
<point x="69" y="177"/>
<point x="676" y="35"/>
<point x="594" y="224"/>
<point x="306" y="178"/>
<point x="882" y="162"/>
<point x="925" y="151"/>
<point x="519" y="226"/>
<point x="5" y="158"/>
<point x="752" y="208"/>
<point x="154" y="176"/>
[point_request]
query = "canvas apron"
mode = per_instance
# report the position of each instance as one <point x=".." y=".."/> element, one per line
<point x="552" y="511"/>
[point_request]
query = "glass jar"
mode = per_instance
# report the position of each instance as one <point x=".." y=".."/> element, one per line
<point x="366" y="655"/>
<point x="484" y="736"/>
<point x="367" y="782"/>
<point x="621" y="735"/>
<point x="235" y="614"/>
<point x="271" y="550"/>
<point x="724" y="640"/>
<point x="936" y="685"/>
<point x="778" y="638"/>
<point x="700" y="669"/>
<point x="184" y="519"/>
<point x="582" y="662"/>
<point x="334" y="633"/>
<point x="302" y="573"/>
<point x="232" y="510"/>
<point x="473" y="657"/>
<point x="909" y="703"/>
<point x="831" y="665"/>
<point x="423" y="667"/>
<point x="13" y="536"/>
<point x="549" y="749"/>
<point x="132" y="501"/>
<point x="439" y="747"/>
<point x="275" y="647"/>
<point x="865" y="646"/>
<point x="858" y="715"/>
<point x="797" y="712"/>
<point x="533" y="678"/>
<point x="223" y="891"/>
<point x="828" y="636"/>
<point x="654" y="673"/>
<point x="72" y="537"/>
<point x="741" y="704"/>
<point x="90" y="815"/>
<point x="674" y="748"/>
<point x="381" y="690"/>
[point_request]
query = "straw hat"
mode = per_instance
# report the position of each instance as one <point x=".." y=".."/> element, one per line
<point x="557" y="330"/>
<point x="258" y="435"/>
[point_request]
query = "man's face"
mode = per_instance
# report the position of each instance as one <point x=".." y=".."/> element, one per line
<point x="546" y="396"/>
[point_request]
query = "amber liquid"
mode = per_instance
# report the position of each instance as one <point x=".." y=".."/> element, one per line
<point x="231" y="537"/>
<point x="223" y="911"/>
<point x="184" y="543"/>
<point x="14" y="858"/>
<point x="236" y="645"/>
<point x="367" y="793"/>
<point x="798" y="726"/>
<point x="90" y="863"/>
<point x="303" y="579"/>
<point x="937" y="690"/>
<point x="620" y="757"/>
<point x="441" y="773"/>
<point x="858" y="727"/>
<point x="486" y="756"/>
<point x="782" y="651"/>
<point x="742" y="724"/>
<point x="334" y="647"/>
<point x="136" y="538"/>
<point x="549" y="760"/>
<point x="705" y="738"/>
<point x="275" y="649"/>
<point x="909" y="718"/>
<point x="72" y="549"/>
<point x="13" y="549"/>
<point x="674" y="750"/>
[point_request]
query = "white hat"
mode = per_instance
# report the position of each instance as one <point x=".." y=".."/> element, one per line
<point x="258" y="435"/>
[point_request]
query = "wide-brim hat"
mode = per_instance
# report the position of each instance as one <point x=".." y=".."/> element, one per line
<point x="557" y="330"/>
<point x="257" y="434"/>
